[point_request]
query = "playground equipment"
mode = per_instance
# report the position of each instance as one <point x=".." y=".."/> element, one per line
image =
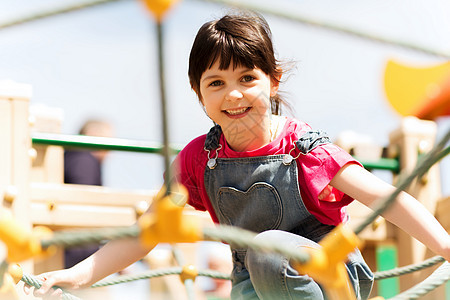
<point x="32" y="187"/>
<point x="154" y="228"/>
<point x="58" y="205"/>
<point x="159" y="8"/>
<point x="423" y="92"/>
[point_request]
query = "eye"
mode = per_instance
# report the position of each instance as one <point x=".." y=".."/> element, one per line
<point x="216" y="83"/>
<point x="248" y="78"/>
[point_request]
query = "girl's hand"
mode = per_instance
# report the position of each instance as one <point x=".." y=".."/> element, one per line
<point x="66" y="279"/>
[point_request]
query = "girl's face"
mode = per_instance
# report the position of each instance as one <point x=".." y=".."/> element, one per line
<point x="239" y="101"/>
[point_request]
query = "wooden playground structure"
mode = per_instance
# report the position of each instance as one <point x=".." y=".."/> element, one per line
<point x="32" y="189"/>
<point x="33" y="192"/>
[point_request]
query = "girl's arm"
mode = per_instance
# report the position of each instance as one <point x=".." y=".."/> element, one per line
<point x="406" y="212"/>
<point x="111" y="258"/>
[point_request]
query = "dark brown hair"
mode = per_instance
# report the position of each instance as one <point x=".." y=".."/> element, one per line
<point x="243" y="39"/>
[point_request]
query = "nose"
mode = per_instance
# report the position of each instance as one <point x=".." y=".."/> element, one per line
<point x="233" y="93"/>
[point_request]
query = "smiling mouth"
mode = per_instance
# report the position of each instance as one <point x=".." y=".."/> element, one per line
<point x="235" y="112"/>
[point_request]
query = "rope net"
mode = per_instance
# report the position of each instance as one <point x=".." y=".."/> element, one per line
<point x="245" y="239"/>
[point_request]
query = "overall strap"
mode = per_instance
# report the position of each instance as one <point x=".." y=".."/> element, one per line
<point x="213" y="137"/>
<point x="311" y="139"/>
<point x="306" y="143"/>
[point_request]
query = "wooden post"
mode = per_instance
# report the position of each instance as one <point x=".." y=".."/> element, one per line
<point x="15" y="143"/>
<point x="413" y="138"/>
<point x="48" y="166"/>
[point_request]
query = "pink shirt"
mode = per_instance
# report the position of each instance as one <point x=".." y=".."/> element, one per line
<point x="315" y="171"/>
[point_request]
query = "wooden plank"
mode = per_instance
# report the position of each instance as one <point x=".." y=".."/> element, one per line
<point x="18" y="96"/>
<point x="72" y="215"/>
<point x="378" y="232"/>
<point x="54" y="262"/>
<point x="442" y="210"/>
<point x="48" y="166"/>
<point x="49" y="163"/>
<point x="21" y="161"/>
<point x="5" y="144"/>
<point x="71" y="205"/>
<point x="88" y="194"/>
<point x="415" y="137"/>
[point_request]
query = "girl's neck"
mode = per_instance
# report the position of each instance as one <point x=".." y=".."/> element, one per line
<point x="256" y="137"/>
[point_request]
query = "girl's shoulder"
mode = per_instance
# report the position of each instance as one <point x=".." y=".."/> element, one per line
<point x="296" y="128"/>
<point x="196" y="143"/>
<point x="194" y="148"/>
<point x="313" y="138"/>
<point x="192" y="156"/>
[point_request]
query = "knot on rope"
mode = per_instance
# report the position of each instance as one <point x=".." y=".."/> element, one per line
<point x="167" y="224"/>
<point x="327" y="264"/>
<point x="23" y="244"/>
<point x="16" y="272"/>
<point x="188" y="272"/>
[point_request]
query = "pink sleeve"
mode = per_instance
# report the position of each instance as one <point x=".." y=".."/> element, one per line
<point x="188" y="172"/>
<point x="319" y="167"/>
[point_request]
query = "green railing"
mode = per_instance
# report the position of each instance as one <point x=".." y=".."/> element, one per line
<point x="389" y="164"/>
<point x="99" y="143"/>
<point x="103" y="143"/>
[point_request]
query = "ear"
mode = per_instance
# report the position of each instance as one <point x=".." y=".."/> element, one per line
<point x="275" y="84"/>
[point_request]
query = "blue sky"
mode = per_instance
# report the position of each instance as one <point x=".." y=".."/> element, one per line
<point x="102" y="62"/>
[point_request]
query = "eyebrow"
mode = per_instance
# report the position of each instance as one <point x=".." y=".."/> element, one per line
<point x="245" y="70"/>
<point x="209" y="77"/>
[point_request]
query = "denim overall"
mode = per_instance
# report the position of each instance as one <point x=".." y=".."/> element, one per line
<point x="262" y="194"/>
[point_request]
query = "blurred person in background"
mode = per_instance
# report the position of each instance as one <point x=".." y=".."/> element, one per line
<point x="85" y="167"/>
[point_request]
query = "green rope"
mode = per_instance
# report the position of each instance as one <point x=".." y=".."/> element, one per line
<point x="443" y="153"/>
<point x="189" y="286"/>
<point x="408" y="269"/>
<point x="437" y="278"/>
<point x="292" y="16"/>
<point x="214" y="274"/>
<point x="241" y="238"/>
<point x="33" y="281"/>
<point x="166" y="151"/>
<point x="424" y="164"/>
<point x="74" y="238"/>
<point x="178" y="255"/>
<point x="144" y="275"/>
<point x="36" y="283"/>
<point x="157" y="273"/>
<point x="3" y="270"/>
<point x="188" y="283"/>
<point x="53" y="12"/>
<point x="238" y="237"/>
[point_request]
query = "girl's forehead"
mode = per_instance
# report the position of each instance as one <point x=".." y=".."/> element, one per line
<point x="230" y="72"/>
<point x="216" y="67"/>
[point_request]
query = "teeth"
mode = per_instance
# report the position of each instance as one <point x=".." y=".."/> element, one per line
<point x="236" y="111"/>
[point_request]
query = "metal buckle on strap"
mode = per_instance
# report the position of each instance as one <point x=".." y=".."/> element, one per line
<point x="212" y="162"/>
<point x="288" y="158"/>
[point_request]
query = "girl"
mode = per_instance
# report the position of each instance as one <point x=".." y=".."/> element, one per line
<point x="269" y="174"/>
